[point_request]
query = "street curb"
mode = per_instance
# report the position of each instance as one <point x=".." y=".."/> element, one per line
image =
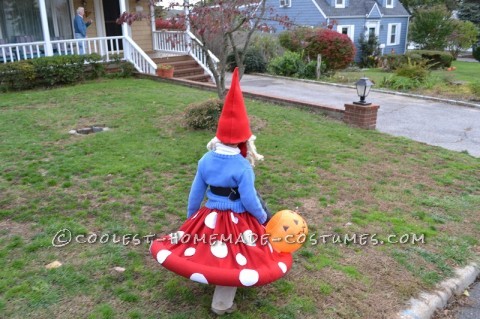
<point x="425" y="305"/>
<point x="418" y="96"/>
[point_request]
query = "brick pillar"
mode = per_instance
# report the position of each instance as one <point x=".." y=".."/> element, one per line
<point x="363" y="116"/>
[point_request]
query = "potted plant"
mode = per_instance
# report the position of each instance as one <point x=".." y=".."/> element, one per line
<point x="165" y="71"/>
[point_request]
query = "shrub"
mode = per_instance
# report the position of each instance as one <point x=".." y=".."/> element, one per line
<point x="203" y="115"/>
<point x="336" y="49"/>
<point x="369" y="51"/>
<point x="267" y="44"/>
<point x="475" y="88"/>
<point x="413" y="70"/>
<point x="476" y="53"/>
<point x="254" y="61"/>
<point x="295" y="40"/>
<point x="96" y="67"/>
<point x="399" y="83"/>
<point x="57" y="70"/>
<point x="17" y="75"/>
<point x="436" y="59"/>
<point x="289" y="64"/>
<point x="170" y="24"/>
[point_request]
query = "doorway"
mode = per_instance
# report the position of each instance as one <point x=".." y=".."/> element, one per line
<point x="111" y="11"/>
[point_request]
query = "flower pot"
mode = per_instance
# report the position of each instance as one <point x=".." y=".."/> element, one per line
<point x="165" y="73"/>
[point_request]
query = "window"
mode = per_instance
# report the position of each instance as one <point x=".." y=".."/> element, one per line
<point x="372" y="28"/>
<point x="339" y="3"/>
<point x="346" y="29"/>
<point x="285" y="3"/>
<point x="393" y="35"/>
<point x="389" y="3"/>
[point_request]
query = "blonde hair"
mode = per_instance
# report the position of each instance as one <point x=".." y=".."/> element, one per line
<point x="80" y="9"/>
<point x="252" y="154"/>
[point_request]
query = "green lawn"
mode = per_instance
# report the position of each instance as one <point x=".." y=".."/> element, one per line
<point x="135" y="179"/>
<point x="441" y="83"/>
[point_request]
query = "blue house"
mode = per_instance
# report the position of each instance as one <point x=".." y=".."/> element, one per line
<point x="387" y="19"/>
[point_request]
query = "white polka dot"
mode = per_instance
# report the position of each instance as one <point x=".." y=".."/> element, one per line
<point x="162" y="255"/>
<point x="189" y="252"/>
<point x="199" y="278"/>
<point x="271" y="248"/>
<point x="241" y="260"/>
<point x="283" y="267"/>
<point x="211" y="220"/>
<point x="234" y="219"/>
<point x="219" y="249"/>
<point x="249" y="238"/>
<point x="248" y="277"/>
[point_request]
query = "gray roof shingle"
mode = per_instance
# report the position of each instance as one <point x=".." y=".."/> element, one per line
<point x="360" y="8"/>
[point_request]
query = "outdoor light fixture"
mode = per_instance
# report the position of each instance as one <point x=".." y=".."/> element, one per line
<point x="363" y="88"/>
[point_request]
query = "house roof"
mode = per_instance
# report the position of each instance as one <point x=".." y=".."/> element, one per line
<point x="360" y="8"/>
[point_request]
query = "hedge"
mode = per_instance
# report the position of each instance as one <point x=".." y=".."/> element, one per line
<point x="53" y="71"/>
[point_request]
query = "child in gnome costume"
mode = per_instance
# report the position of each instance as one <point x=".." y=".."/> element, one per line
<point x="220" y="243"/>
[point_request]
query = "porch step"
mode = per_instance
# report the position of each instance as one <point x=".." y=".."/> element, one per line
<point x="198" y="78"/>
<point x="185" y="67"/>
<point x="179" y="73"/>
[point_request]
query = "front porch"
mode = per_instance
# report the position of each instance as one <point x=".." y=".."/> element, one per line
<point x="48" y="32"/>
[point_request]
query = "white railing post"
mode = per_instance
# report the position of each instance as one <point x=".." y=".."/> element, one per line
<point x="123" y="8"/>
<point x="45" y="29"/>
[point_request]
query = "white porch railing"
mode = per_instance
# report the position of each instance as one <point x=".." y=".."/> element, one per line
<point x="183" y="42"/>
<point x="106" y="47"/>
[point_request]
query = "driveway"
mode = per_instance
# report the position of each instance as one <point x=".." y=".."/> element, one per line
<point x="442" y="124"/>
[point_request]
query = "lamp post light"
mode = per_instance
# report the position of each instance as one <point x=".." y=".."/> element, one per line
<point x="363" y="88"/>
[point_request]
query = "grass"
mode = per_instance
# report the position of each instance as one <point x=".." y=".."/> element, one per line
<point x="135" y="179"/>
<point x="455" y="84"/>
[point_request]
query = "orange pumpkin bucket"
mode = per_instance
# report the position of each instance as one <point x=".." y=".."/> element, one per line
<point x="287" y="231"/>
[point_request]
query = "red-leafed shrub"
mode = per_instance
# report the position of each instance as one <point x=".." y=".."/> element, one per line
<point x="169" y="24"/>
<point x="337" y="49"/>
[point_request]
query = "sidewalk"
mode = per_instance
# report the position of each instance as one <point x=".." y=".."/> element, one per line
<point x="453" y="127"/>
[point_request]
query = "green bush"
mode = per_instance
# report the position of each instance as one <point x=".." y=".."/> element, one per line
<point x="436" y="59"/>
<point x="413" y="70"/>
<point x="17" y="76"/>
<point x="56" y="70"/>
<point x="289" y="64"/>
<point x="476" y="53"/>
<point x="204" y="115"/>
<point x="475" y="88"/>
<point x="254" y="61"/>
<point x="295" y="40"/>
<point x="96" y="67"/>
<point x="369" y="51"/>
<point x="267" y="44"/>
<point x="399" y="83"/>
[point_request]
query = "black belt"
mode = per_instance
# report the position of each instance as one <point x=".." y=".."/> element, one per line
<point x="230" y="192"/>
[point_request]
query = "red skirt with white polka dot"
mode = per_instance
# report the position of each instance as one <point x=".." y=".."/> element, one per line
<point x="221" y="248"/>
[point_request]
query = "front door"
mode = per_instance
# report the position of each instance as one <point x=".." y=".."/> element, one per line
<point x="111" y="11"/>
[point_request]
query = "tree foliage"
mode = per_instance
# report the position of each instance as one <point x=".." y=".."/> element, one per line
<point x="336" y="49"/>
<point x="464" y="35"/>
<point x="369" y="50"/>
<point x="431" y="27"/>
<point x="413" y="5"/>
<point x="469" y="10"/>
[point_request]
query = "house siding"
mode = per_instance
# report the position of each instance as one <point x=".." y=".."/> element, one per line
<point x="399" y="48"/>
<point x="301" y="13"/>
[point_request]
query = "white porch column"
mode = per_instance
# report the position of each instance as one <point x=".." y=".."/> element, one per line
<point x="123" y="8"/>
<point x="186" y="8"/>
<point x="45" y="29"/>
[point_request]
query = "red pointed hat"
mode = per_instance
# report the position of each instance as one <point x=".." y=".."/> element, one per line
<point x="233" y="125"/>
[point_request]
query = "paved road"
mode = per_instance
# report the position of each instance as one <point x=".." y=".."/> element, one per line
<point x="472" y="311"/>
<point x="436" y="123"/>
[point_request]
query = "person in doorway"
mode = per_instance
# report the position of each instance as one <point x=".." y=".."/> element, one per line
<point x="80" y="27"/>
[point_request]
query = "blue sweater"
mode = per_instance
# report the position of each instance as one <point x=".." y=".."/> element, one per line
<point x="225" y="171"/>
<point x="80" y="26"/>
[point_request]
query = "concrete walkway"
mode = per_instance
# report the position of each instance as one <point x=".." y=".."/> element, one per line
<point x="442" y="124"/>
